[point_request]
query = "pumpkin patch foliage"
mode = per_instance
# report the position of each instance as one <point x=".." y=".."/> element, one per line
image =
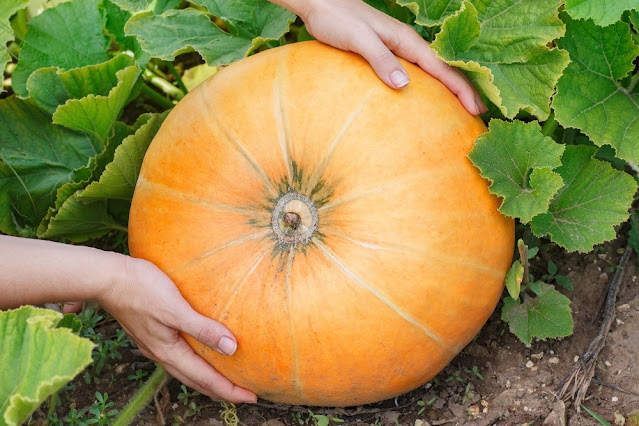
<point x="88" y="83"/>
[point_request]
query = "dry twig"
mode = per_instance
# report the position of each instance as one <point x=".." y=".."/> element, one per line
<point x="576" y="383"/>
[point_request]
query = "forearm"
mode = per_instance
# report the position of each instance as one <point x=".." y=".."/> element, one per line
<point x="38" y="271"/>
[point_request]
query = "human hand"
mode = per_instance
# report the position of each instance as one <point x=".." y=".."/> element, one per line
<point x="151" y="310"/>
<point x="353" y="25"/>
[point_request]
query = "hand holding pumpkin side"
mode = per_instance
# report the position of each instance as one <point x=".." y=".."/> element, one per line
<point x="141" y="297"/>
<point x="353" y="25"/>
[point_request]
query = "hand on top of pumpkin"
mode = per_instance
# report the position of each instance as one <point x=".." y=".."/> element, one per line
<point x="353" y="25"/>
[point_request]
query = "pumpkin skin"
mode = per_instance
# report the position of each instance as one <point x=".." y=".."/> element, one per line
<point x="386" y="253"/>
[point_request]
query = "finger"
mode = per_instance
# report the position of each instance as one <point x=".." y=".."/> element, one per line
<point x="381" y="59"/>
<point x="71" y="307"/>
<point x="406" y="43"/>
<point x="206" y="331"/>
<point x="194" y="372"/>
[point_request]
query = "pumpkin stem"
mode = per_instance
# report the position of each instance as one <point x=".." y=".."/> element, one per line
<point x="292" y="219"/>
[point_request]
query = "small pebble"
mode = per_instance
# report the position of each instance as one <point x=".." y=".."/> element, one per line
<point x="553" y="360"/>
<point x="576" y="358"/>
<point x="624" y="308"/>
<point x="608" y="364"/>
<point x="615" y="399"/>
<point x="508" y="384"/>
<point x="540" y="355"/>
<point x="529" y="364"/>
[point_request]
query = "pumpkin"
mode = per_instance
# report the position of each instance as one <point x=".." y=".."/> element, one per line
<point x="334" y="225"/>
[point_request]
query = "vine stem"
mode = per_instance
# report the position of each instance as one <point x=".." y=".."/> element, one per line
<point x="178" y="77"/>
<point x="162" y="84"/>
<point x="156" y="97"/>
<point x="633" y="83"/>
<point x="550" y="125"/>
<point x="142" y="397"/>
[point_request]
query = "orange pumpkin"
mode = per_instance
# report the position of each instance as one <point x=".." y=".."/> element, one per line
<point x="333" y="224"/>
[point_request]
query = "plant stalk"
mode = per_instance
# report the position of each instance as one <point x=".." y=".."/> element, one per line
<point x="156" y="97"/>
<point x="178" y="77"/>
<point x="142" y="397"/>
<point x="633" y="82"/>
<point x="550" y="125"/>
<point x="163" y="85"/>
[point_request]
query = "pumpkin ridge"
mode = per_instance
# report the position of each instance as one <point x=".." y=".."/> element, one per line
<point x="225" y="309"/>
<point x="297" y="382"/>
<point x="255" y="167"/>
<point x="366" y="244"/>
<point x="189" y="198"/>
<point x="319" y="170"/>
<point x="202" y="256"/>
<point x="283" y="134"/>
<point x="342" y="267"/>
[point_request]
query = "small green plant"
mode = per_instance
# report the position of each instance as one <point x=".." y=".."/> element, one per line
<point x="595" y="416"/>
<point x="475" y="371"/>
<point x="424" y="404"/>
<point x="101" y="410"/>
<point x="185" y="395"/>
<point x="138" y="376"/>
<point x="468" y="394"/>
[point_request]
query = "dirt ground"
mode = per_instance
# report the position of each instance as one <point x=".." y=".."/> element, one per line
<point x="495" y="380"/>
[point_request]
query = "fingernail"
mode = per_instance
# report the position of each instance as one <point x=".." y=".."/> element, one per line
<point x="399" y="78"/>
<point x="227" y="345"/>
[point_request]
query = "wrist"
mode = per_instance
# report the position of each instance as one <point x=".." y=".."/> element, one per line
<point x="301" y="8"/>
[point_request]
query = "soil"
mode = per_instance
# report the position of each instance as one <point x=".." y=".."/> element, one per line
<point x="495" y="380"/>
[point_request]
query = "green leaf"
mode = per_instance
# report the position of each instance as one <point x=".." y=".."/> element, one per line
<point x="251" y="19"/>
<point x="502" y="46"/>
<point x="518" y="160"/>
<point x="547" y="315"/>
<point x="27" y="377"/>
<point x="36" y="158"/>
<point x="564" y="281"/>
<point x="590" y="96"/>
<point x="120" y="176"/>
<point x="91" y="172"/>
<point x="594" y="199"/>
<point x="87" y="99"/>
<point x="9" y="7"/>
<point x="103" y="205"/>
<point x="72" y="322"/>
<point x="157" y="6"/>
<point x="177" y="31"/>
<point x="116" y="18"/>
<point x="552" y="268"/>
<point x="431" y="12"/>
<point x="96" y="114"/>
<point x="514" y="277"/>
<point x="602" y="12"/>
<point x="67" y="36"/>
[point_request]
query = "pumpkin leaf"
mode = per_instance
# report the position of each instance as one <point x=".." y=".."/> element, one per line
<point x="602" y="12"/>
<point x="519" y="160"/>
<point x="431" y="13"/>
<point x="67" y="36"/>
<point x="120" y="176"/>
<point x="36" y="158"/>
<point x="92" y="172"/>
<point x="177" y="31"/>
<point x="156" y="6"/>
<point x="103" y="205"/>
<point x="547" y="315"/>
<point x="88" y="99"/>
<point x="9" y="7"/>
<point x="27" y="378"/>
<point x="591" y="88"/>
<point x="517" y="72"/>
<point x="594" y="199"/>
<point x="116" y="19"/>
